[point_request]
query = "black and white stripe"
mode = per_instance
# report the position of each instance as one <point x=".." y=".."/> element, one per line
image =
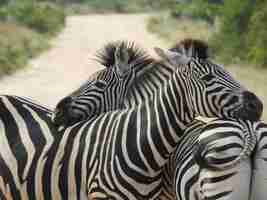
<point x="207" y="89"/>
<point x="164" y="107"/>
<point x="259" y="164"/>
<point x="119" y="154"/>
<point x="106" y="89"/>
<point x="37" y="162"/>
<point x="221" y="143"/>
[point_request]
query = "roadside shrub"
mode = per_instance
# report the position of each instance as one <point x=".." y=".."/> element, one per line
<point x="3" y="2"/>
<point x="103" y="6"/>
<point x="242" y="35"/>
<point x="256" y="39"/>
<point x="173" y="29"/>
<point x="25" y="29"/>
<point x="47" y="18"/>
<point x="229" y="41"/>
<point x="3" y="13"/>
<point x="198" y="9"/>
<point x="17" y="45"/>
<point x="42" y="17"/>
<point x="116" y="6"/>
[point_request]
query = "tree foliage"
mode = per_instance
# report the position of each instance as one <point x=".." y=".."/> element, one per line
<point x="243" y="31"/>
<point x="41" y="17"/>
<point x="256" y="38"/>
<point x="197" y="9"/>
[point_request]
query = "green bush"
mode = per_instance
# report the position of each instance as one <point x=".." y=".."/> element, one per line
<point x="3" y="13"/>
<point x="103" y="6"/>
<point x="256" y="39"/>
<point x="229" y="41"/>
<point x="198" y="9"/>
<point x="17" y="45"/>
<point x="243" y="32"/>
<point x="25" y="30"/>
<point x="47" y="19"/>
<point x="44" y="18"/>
<point x="3" y="3"/>
<point x="117" y="6"/>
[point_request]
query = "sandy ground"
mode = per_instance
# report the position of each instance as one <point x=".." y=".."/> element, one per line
<point x="68" y="63"/>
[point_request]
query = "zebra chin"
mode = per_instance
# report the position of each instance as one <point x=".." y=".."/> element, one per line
<point x="247" y="116"/>
<point x="246" y="113"/>
<point x="63" y="120"/>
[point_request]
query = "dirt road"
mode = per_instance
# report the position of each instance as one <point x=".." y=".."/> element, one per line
<point x="67" y="64"/>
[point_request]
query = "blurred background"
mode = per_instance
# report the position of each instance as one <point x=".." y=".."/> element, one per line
<point x="46" y="46"/>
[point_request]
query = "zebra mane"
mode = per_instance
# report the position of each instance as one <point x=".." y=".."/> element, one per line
<point x="192" y="47"/>
<point x="137" y="56"/>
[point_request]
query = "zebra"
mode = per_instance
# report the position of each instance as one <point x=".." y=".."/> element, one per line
<point x="191" y="173"/>
<point x="39" y="163"/>
<point x="44" y="134"/>
<point x="259" y="163"/>
<point x="159" y="73"/>
<point x="106" y="89"/>
<point x="146" y="87"/>
<point x="158" y="146"/>
<point x="197" y="78"/>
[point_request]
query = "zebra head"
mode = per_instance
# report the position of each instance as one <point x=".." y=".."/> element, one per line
<point x="210" y="90"/>
<point x="106" y="89"/>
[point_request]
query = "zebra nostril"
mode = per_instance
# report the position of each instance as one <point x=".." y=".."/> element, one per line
<point x="251" y="106"/>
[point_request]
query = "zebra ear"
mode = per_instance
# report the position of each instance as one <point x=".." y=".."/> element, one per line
<point x="122" y="58"/>
<point x="173" y="58"/>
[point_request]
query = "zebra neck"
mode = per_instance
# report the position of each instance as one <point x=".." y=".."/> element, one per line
<point x="173" y="104"/>
<point x="162" y="82"/>
<point x="146" y="87"/>
<point x="159" y="125"/>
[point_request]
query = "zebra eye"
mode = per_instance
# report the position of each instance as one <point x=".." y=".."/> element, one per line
<point x="101" y="84"/>
<point x="207" y="77"/>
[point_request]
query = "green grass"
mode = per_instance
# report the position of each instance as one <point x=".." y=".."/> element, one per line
<point x="173" y="30"/>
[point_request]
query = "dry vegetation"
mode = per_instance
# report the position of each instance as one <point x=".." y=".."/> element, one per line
<point x="17" y="45"/>
<point x="173" y="30"/>
<point x="25" y="30"/>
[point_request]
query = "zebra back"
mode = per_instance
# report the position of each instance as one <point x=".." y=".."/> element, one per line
<point x="221" y="142"/>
